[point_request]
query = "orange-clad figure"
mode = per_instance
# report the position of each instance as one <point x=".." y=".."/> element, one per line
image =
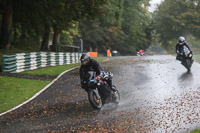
<point x="108" y="53"/>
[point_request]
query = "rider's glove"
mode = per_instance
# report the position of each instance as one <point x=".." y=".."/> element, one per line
<point x="102" y="73"/>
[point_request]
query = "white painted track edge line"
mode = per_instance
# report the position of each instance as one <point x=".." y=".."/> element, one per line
<point x="38" y="93"/>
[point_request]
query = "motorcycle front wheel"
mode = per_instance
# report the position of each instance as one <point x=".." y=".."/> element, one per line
<point x="94" y="100"/>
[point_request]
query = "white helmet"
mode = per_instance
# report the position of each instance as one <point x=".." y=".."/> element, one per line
<point x="181" y="39"/>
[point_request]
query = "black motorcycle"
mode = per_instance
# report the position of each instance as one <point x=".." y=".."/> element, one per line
<point x="100" y="91"/>
<point x="186" y="58"/>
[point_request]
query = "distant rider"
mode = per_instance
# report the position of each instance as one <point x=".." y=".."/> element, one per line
<point x="88" y="64"/>
<point x="141" y="52"/>
<point x="179" y="47"/>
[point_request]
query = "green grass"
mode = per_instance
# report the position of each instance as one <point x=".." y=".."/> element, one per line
<point x="195" y="131"/>
<point x="14" y="91"/>
<point x="100" y="58"/>
<point x="56" y="70"/>
<point x="196" y="58"/>
<point x="52" y="70"/>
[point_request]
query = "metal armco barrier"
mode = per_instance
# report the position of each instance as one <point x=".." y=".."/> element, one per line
<point x="30" y="61"/>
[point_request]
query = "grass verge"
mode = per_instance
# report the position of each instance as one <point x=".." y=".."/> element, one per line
<point x="196" y="58"/>
<point x="51" y="70"/>
<point x="195" y="131"/>
<point x="14" y="91"/>
<point x="56" y="70"/>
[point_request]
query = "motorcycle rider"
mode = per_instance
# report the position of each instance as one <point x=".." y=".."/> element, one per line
<point x="179" y="48"/>
<point x="88" y="64"/>
<point x="141" y="52"/>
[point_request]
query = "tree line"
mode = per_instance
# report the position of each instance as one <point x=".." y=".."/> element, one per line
<point x="175" y="18"/>
<point x="126" y="27"/>
<point x="122" y="25"/>
<point x="33" y="20"/>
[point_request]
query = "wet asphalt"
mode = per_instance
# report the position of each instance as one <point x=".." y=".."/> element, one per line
<point x="157" y="95"/>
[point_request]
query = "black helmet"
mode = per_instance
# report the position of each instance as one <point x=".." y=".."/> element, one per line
<point x="85" y="58"/>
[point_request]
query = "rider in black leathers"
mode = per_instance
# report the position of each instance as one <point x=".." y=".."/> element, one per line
<point x="179" y="47"/>
<point x="88" y="64"/>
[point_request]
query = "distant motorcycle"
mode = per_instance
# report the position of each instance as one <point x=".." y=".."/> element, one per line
<point x="186" y="60"/>
<point x="140" y="54"/>
<point x="99" y="91"/>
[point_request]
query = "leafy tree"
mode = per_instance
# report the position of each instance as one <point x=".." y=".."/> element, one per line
<point x="92" y="34"/>
<point x="176" y="18"/>
<point x="6" y="24"/>
<point x="33" y="19"/>
<point x="136" y="25"/>
<point x="73" y="11"/>
<point x="67" y="36"/>
<point x="125" y="27"/>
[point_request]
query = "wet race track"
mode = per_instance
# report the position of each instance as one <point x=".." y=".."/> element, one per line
<point x="157" y="95"/>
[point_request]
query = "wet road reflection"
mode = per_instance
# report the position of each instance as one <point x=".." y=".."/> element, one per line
<point x="157" y="95"/>
<point x="186" y="79"/>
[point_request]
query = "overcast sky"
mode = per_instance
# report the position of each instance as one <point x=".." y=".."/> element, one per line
<point x="154" y="4"/>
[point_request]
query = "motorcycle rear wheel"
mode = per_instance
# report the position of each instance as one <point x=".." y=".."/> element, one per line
<point x="94" y="101"/>
<point x="116" y="96"/>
